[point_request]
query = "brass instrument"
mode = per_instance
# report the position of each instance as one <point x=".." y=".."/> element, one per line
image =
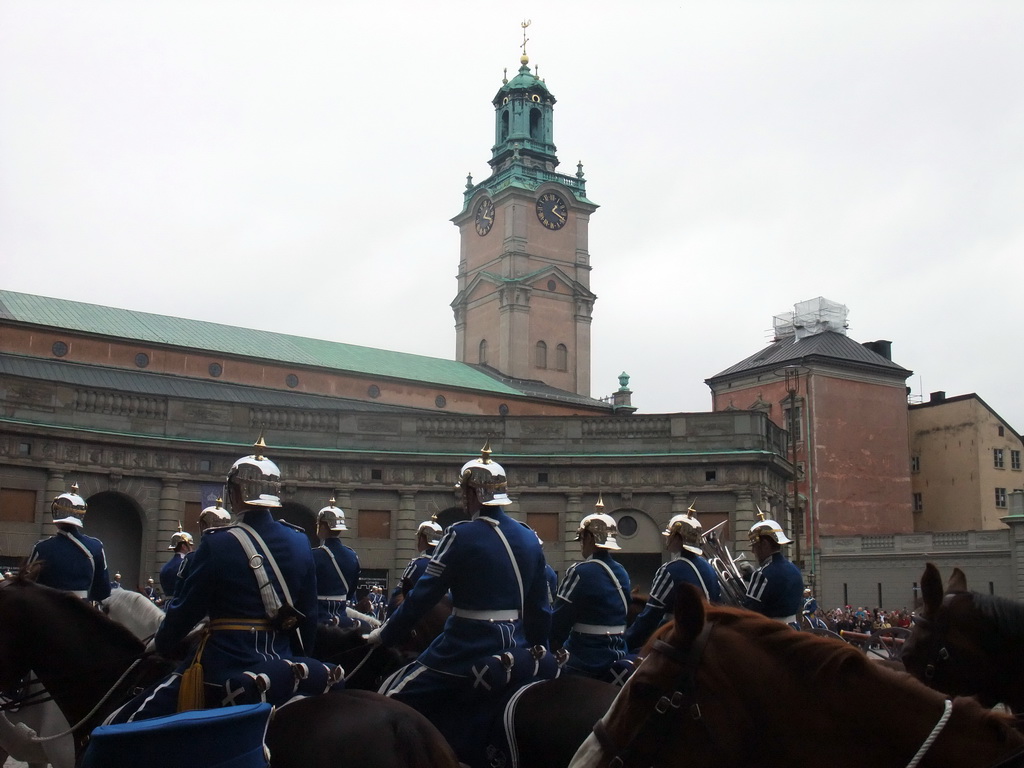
<point x="731" y="575"/>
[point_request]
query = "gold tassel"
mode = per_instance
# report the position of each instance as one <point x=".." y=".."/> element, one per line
<point x="192" y="692"/>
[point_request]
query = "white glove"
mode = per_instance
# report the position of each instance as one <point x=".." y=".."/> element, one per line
<point x="374" y="637"/>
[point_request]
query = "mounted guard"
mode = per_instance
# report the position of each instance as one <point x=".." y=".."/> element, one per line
<point x="337" y="569"/>
<point x="589" y="618"/>
<point x="256" y="582"/>
<point x="776" y="588"/>
<point x="70" y="560"/>
<point x="494" y="568"/>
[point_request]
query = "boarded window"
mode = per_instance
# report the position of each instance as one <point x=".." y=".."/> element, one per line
<point x="374" y="524"/>
<point x="545" y="524"/>
<point x="190" y="522"/>
<point x="17" y="506"/>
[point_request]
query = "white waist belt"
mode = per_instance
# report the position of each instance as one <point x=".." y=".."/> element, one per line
<point x="785" y="619"/>
<point x="79" y="592"/>
<point x="341" y="598"/>
<point x="465" y="613"/>
<point x="598" y="629"/>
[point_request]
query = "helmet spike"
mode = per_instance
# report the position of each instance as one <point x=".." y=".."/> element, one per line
<point x="74" y="487"/>
<point x="600" y="501"/>
<point x="259" y="445"/>
<point x="760" y="514"/>
<point x="485" y="452"/>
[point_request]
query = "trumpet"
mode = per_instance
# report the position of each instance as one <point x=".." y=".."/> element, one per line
<point x="731" y="575"/>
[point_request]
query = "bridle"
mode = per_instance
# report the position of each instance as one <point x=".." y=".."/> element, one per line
<point x="647" y="741"/>
<point x="681" y="696"/>
<point x="939" y="656"/>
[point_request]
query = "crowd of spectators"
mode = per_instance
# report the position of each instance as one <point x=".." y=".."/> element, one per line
<point x="867" y="620"/>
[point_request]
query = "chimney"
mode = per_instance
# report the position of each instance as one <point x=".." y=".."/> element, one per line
<point x="881" y="347"/>
<point x="937" y="397"/>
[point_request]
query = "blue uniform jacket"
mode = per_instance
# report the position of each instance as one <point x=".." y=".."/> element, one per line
<point x="169" y="574"/>
<point x="776" y="589"/>
<point x="335" y="591"/>
<point x="589" y="595"/>
<point x="413" y="572"/>
<point x="552" y="579"/>
<point x="221" y="584"/>
<point x="471" y="562"/>
<point x="686" y="568"/>
<point x="67" y="567"/>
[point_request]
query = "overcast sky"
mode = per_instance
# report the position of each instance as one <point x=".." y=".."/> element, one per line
<point x="293" y="166"/>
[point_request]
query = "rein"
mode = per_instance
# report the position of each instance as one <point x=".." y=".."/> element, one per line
<point x="941" y="655"/>
<point x="685" y="693"/>
<point x="94" y="710"/>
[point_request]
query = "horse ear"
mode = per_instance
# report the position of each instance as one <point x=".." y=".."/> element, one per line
<point x="957" y="581"/>
<point x="689" y="611"/>
<point x="931" y="588"/>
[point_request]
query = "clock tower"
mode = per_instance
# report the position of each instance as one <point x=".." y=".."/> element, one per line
<point x="524" y="303"/>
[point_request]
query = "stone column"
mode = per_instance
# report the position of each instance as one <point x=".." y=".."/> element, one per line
<point x="573" y="514"/>
<point x="169" y="514"/>
<point x="405" y="534"/>
<point x="742" y="519"/>
<point x="54" y="488"/>
<point x="1015" y="522"/>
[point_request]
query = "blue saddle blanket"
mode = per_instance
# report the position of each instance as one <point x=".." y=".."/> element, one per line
<point x="231" y="737"/>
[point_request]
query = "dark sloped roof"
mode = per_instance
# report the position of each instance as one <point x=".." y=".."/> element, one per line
<point x="162" y="385"/>
<point x="827" y="346"/>
<point x="535" y="388"/>
<point x="243" y="342"/>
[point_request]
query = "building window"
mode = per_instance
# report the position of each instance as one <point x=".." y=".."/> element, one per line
<point x="215" y="369"/>
<point x="997" y="458"/>
<point x="1000" y="498"/>
<point x="918" y="502"/>
<point x="374" y="524"/>
<point x="1014" y="459"/>
<point x="710" y="475"/>
<point x="376" y="474"/>
<point x="17" y="506"/>
<point x="915" y="463"/>
<point x="483" y="352"/>
<point x="542" y="477"/>
<point x="1001" y="431"/>
<point x="205" y="465"/>
<point x="562" y="357"/>
<point x="24" y="449"/>
<point x="542" y="355"/>
<point x="545" y="524"/>
<point x="142" y="359"/>
<point x="440" y="401"/>
<point x="793" y="425"/>
<point x="291" y="380"/>
<point x="59" y="348"/>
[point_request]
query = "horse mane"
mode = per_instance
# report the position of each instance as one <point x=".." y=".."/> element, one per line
<point x="1006" y="614"/>
<point x="82" y="613"/>
<point x="803" y="652"/>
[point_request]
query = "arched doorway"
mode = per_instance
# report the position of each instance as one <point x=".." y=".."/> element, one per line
<point x="116" y="520"/>
<point x="642" y="546"/>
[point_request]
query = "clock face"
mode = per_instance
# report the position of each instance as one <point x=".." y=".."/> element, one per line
<point x="484" y="217"/>
<point x="552" y="211"/>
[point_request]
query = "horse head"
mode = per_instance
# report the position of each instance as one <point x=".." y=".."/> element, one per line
<point x="964" y="643"/>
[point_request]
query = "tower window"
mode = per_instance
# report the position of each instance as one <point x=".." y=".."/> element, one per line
<point x="542" y="355"/>
<point x="483" y="351"/>
<point x="504" y="125"/>
<point x="535" y="124"/>
<point x="562" y="357"/>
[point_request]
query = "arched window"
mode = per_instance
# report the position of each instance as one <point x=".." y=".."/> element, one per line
<point x="562" y="357"/>
<point x="542" y="355"/>
<point x="535" y="124"/>
<point x="483" y="351"/>
<point x="504" y="125"/>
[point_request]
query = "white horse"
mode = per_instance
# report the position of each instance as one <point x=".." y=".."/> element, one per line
<point x="19" y="731"/>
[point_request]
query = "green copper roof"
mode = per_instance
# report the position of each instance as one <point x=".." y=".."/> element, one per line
<point x="242" y="342"/>
<point x="524" y="80"/>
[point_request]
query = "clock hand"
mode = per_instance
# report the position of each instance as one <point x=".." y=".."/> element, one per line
<point x="558" y="214"/>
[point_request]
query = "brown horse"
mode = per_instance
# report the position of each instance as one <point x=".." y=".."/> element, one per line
<point x="80" y="655"/>
<point x="967" y="644"/>
<point x="729" y="688"/>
